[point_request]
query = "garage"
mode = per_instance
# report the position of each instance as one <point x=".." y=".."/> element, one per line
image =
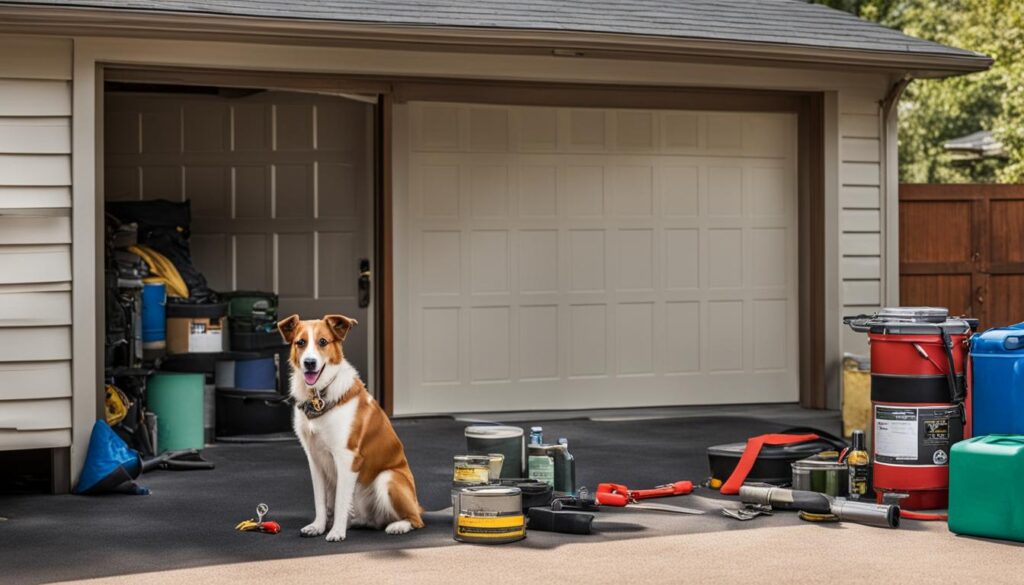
<point x="560" y="257"/>
<point x="280" y="185"/>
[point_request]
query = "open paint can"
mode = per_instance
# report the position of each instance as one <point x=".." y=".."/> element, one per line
<point x="488" y="515"/>
<point x="822" y="473"/>
<point x="493" y="439"/>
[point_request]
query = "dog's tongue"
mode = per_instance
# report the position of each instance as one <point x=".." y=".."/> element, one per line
<point x="311" y="377"/>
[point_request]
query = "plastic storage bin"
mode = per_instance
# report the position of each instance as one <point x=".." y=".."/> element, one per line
<point x="997" y="362"/>
<point x="177" y="401"/>
<point x="986" y="475"/>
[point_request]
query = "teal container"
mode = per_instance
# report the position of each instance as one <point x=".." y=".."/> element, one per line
<point x="986" y="476"/>
<point x="177" y="401"/>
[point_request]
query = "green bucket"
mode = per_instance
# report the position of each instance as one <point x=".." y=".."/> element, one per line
<point x="177" y="401"/>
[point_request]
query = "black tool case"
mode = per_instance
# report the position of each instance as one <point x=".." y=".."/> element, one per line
<point x="773" y="464"/>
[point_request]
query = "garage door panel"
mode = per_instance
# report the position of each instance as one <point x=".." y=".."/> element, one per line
<point x="768" y="191"/>
<point x="587" y="131"/>
<point x="769" y="260"/>
<point x="490" y="344"/>
<point x="438" y="190"/>
<point x="489" y="269"/>
<point x="679" y="189"/>
<point x="634" y="338"/>
<point x="682" y="348"/>
<point x="632" y="191"/>
<point x="537" y="129"/>
<point x="539" y="348"/>
<point x="614" y="246"/>
<point x="538" y="191"/>
<point x="488" y="191"/>
<point x="725" y="191"/>
<point x="442" y="262"/>
<point x="587" y="260"/>
<point x="770" y="319"/>
<point x="724" y="258"/>
<point x="636" y="259"/>
<point x="441" y="343"/>
<point x="724" y="334"/>
<point x="635" y="131"/>
<point x="682" y="258"/>
<point x="588" y="347"/>
<point x="584" y="190"/>
<point x="538" y="261"/>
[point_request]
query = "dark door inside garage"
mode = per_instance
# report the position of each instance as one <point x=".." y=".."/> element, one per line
<point x="962" y="247"/>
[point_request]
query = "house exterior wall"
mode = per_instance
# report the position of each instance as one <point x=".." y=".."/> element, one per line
<point x="38" y="78"/>
<point x="862" y="215"/>
<point x="35" y="243"/>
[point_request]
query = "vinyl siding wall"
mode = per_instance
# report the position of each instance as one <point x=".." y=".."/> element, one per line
<point x="861" y="209"/>
<point x="35" y="243"/>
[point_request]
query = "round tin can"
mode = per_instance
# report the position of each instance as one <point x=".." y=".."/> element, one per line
<point x="488" y="515"/>
<point x="470" y="470"/>
<point x="822" y="474"/>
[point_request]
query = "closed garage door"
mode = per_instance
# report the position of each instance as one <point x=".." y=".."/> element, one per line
<point x="583" y="258"/>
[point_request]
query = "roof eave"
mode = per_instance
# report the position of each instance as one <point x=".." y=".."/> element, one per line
<point x="78" y="21"/>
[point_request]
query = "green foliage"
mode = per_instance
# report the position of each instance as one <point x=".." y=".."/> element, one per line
<point x="933" y="111"/>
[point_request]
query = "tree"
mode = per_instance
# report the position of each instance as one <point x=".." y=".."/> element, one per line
<point x="933" y="111"/>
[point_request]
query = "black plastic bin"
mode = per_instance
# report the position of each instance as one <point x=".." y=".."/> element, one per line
<point x="245" y="412"/>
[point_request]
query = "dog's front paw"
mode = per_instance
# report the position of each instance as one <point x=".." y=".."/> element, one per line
<point x="336" y="535"/>
<point x="314" y="529"/>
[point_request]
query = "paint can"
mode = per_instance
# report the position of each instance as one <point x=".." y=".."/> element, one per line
<point x="470" y="470"/>
<point x="508" y="441"/>
<point x="488" y="515"/>
<point x="822" y="473"/>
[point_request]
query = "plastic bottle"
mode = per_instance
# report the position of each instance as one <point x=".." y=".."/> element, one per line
<point x="858" y="462"/>
<point x="565" y="470"/>
<point x="536" y="435"/>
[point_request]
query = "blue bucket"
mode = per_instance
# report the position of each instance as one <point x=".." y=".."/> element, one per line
<point x="154" y="316"/>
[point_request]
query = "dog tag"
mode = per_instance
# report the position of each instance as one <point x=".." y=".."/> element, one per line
<point x="317" y="404"/>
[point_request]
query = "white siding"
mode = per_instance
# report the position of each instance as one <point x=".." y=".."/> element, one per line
<point x="35" y="238"/>
<point x="861" y="242"/>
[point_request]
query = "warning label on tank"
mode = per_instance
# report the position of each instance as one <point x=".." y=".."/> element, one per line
<point x="907" y="435"/>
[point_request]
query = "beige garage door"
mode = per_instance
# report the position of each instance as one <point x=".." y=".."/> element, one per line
<point x="583" y="258"/>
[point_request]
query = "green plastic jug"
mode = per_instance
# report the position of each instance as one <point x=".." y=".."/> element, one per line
<point x="986" y="475"/>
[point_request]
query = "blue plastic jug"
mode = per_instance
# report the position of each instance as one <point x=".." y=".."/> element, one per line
<point x="997" y="392"/>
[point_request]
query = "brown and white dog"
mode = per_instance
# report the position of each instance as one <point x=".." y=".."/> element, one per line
<point x="360" y="474"/>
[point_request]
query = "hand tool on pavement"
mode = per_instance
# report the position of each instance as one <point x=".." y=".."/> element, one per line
<point x="616" y="494"/>
<point x="778" y="498"/>
<point x="258" y="524"/>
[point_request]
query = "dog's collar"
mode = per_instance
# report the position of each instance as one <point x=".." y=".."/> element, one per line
<point x="316" y="406"/>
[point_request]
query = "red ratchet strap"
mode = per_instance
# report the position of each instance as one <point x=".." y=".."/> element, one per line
<point x="922" y="516"/>
<point x="754" y="444"/>
<point x="616" y="494"/>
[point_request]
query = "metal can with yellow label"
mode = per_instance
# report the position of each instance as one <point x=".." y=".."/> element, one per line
<point x="488" y="515"/>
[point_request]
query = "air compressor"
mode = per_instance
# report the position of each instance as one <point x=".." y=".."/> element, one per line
<point x="919" y="397"/>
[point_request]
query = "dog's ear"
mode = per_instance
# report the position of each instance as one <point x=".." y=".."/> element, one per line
<point x="288" y="327"/>
<point x="340" y="324"/>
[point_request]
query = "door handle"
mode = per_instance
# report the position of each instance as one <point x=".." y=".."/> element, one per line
<point x="364" y="283"/>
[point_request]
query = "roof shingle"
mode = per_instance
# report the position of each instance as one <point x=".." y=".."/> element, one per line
<point x="784" y="22"/>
